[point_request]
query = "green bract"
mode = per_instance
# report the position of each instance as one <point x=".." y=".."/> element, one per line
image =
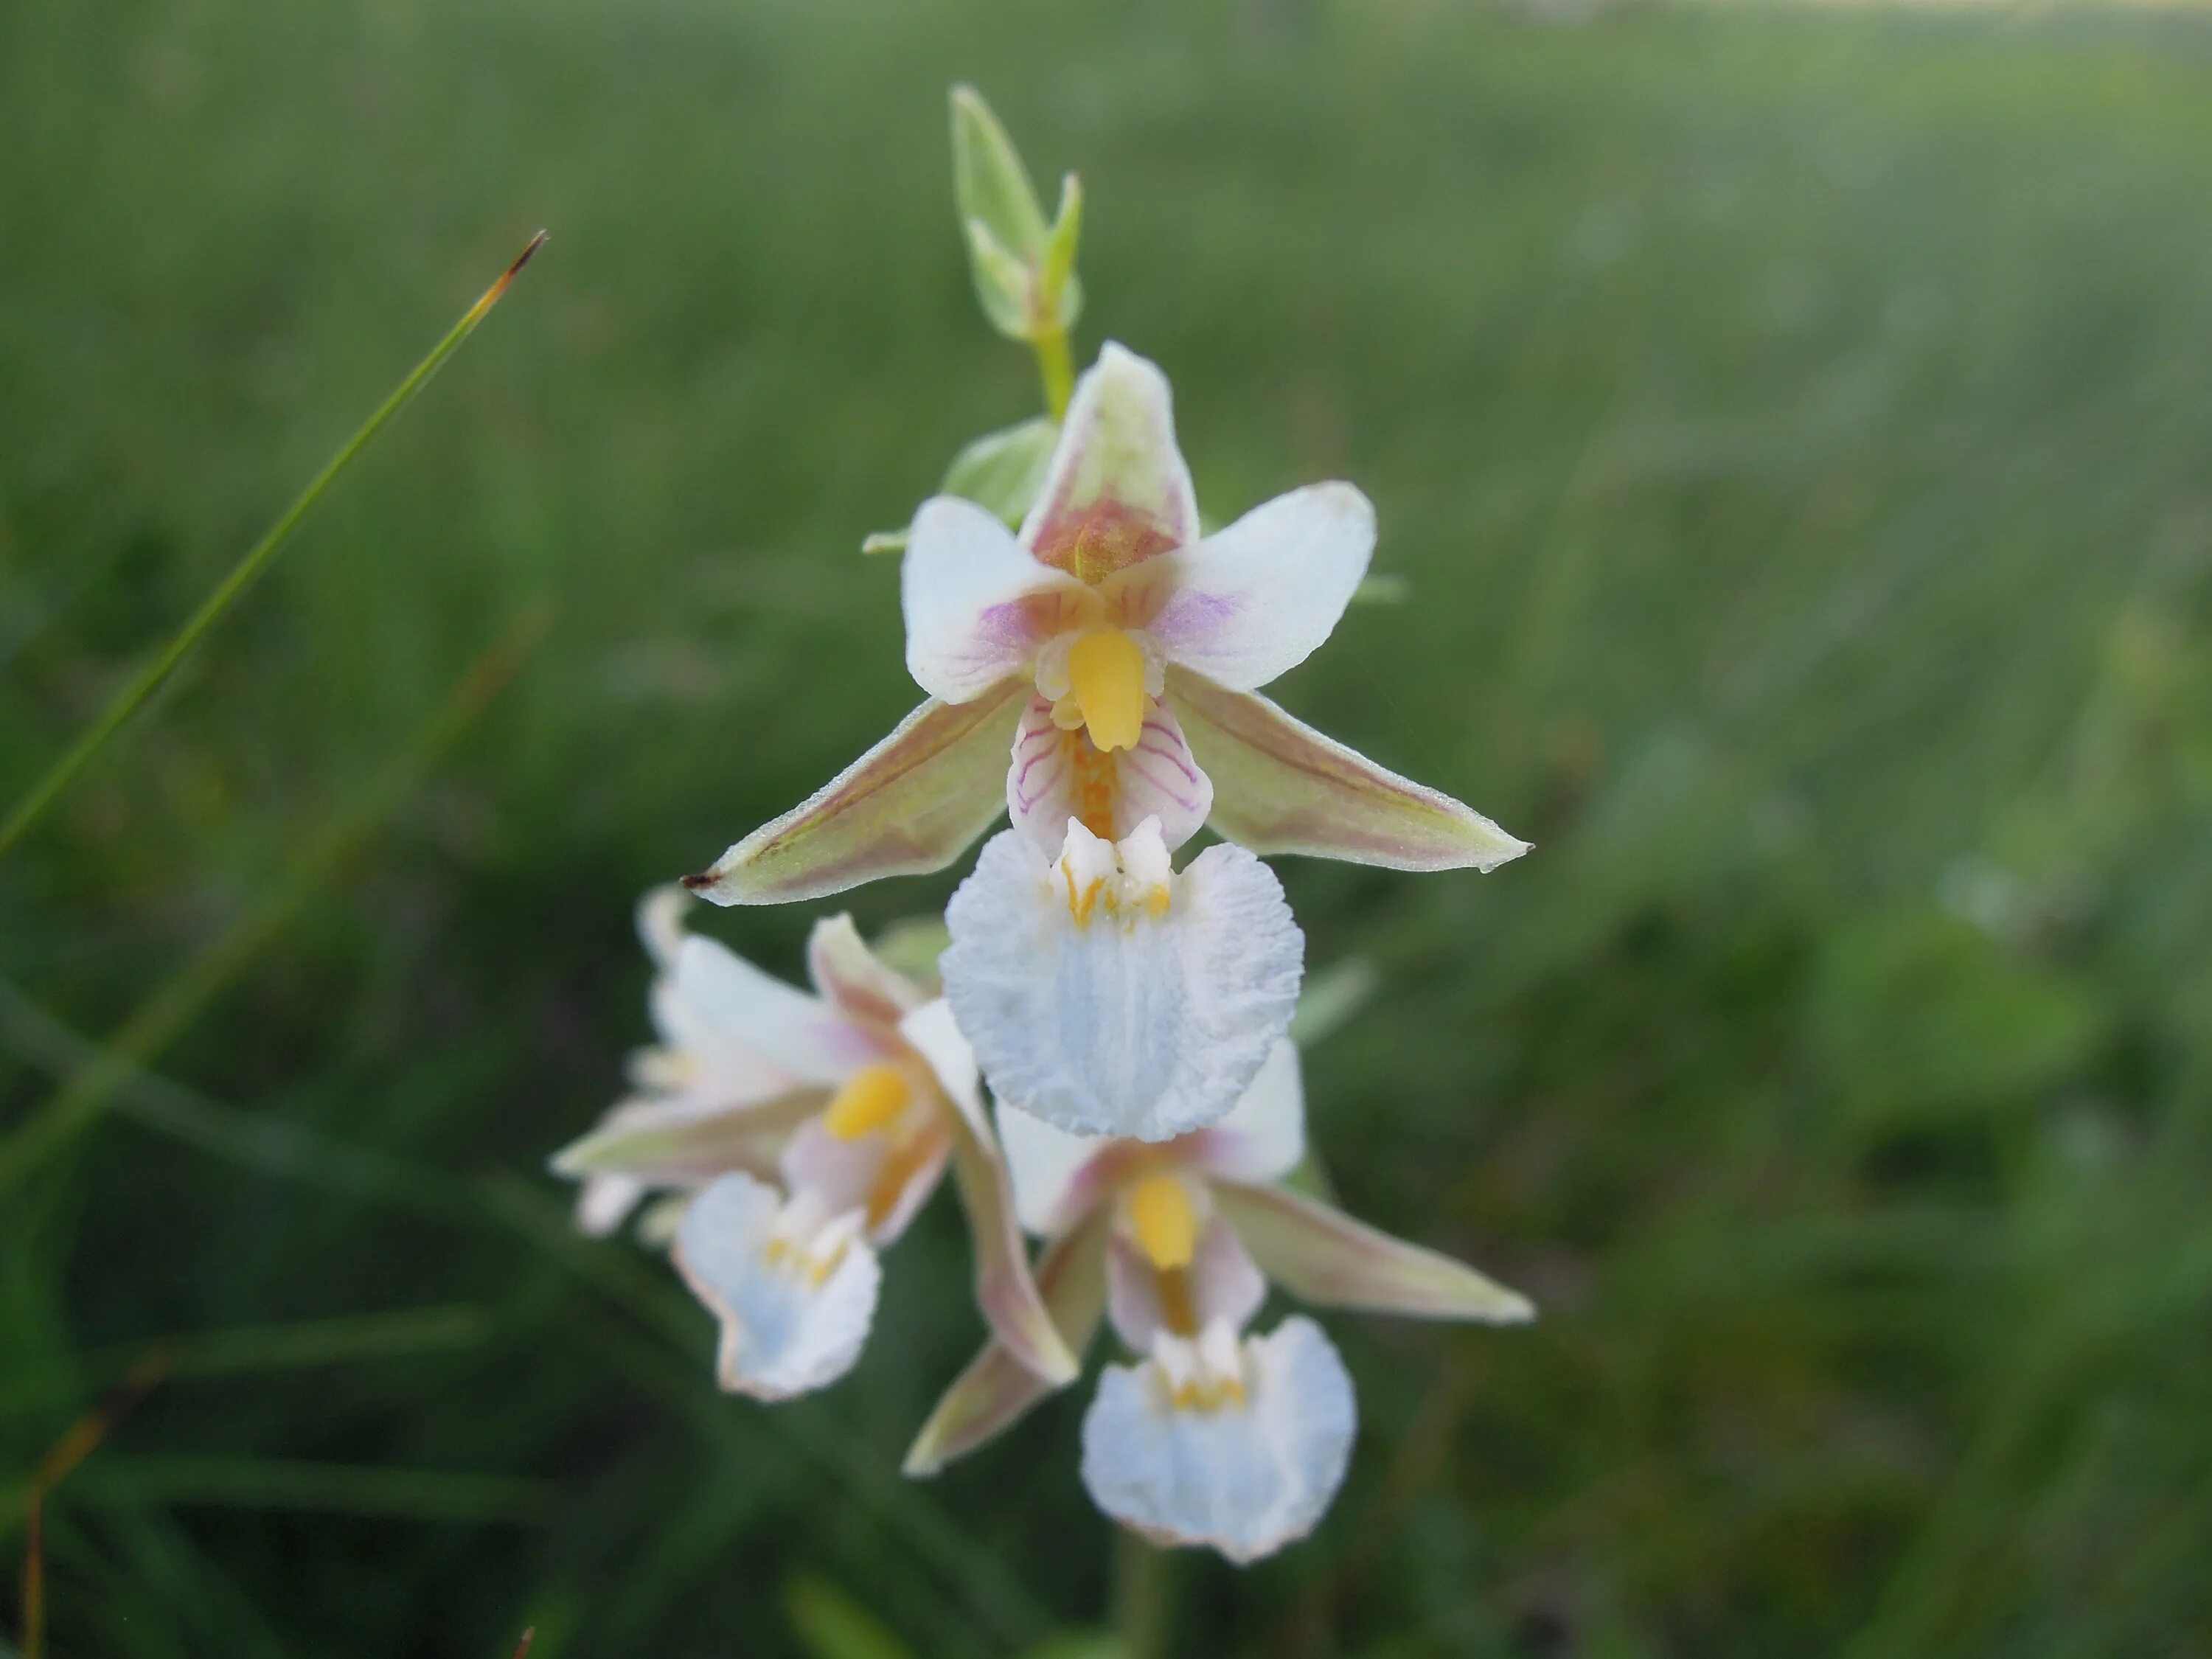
<point x="1003" y="470"/>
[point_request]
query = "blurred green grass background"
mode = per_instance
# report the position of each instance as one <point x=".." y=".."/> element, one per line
<point x="1796" y="433"/>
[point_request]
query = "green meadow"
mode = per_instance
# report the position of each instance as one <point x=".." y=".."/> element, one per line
<point x="1791" y="433"/>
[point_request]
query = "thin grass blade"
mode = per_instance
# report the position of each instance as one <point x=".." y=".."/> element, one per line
<point x="164" y="662"/>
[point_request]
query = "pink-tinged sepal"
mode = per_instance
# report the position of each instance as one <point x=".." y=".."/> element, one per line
<point x="657" y="1143"/>
<point x="1324" y="1256"/>
<point x="1117" y="492"/>
<point x="850" y="976"/>
<point x="910" y="806"/>
<point x="1005" y="1291"/>
<point x="1281" y="787"/>
<point x="996" y="1389"/>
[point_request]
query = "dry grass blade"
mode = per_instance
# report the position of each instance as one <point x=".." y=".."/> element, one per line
<point x="76" y="1445"/>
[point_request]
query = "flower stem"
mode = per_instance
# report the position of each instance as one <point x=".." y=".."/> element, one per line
<point x="1058" y="369"/>
<point x="1143" y="1597"/>
<point x="58" y="777"/>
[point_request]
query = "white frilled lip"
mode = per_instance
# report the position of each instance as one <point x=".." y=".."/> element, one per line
<point x="1112" y="542"/>
<point x="1060" y="1177"/>
<point x="1147" y="1024"/>
<point x="1244" y="1478"/>
<point x="787" y="1328"/>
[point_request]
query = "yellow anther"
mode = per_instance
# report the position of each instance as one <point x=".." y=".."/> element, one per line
<point x="1165" y="1225"/>
<point x="1209" y="1394"/>
<point x="1083" y="898"/>
<point x="871" y="1097"/>
<point x="819" y="1267"/>
<point x="1106" y="675"/>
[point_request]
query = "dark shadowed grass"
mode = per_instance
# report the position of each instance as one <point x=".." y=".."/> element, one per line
<point x="1794" y="434"/>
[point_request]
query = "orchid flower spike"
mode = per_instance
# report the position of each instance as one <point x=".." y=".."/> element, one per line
<point x="804" y="1131"/>
<point x="1212" y="1438"/>
<point x="1117" y="651"/>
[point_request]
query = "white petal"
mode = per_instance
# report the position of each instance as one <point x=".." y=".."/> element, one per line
<point x="1257" y="599"/>
<point x="1132" y="1024"/>
<point x="1058" y="774"/>
<point x="799" y="1033"/>
<point x="660" y="923"/>
<point x="1117" y="492"/>
<point x="977" y="605"/>
<point x="1264" y="1136"/>
<point x="931" y="1032"/>
<point x="604" y="1203"/>
<point x="1226" y="1287"/>
<point x="1057" y="1177"/>
<point x="1244" y="1480"/>
<point x="702" y="1064"/>
<point x="784" y="1333"/>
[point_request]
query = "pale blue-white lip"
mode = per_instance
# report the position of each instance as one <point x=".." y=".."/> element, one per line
<point x="785" y="1331"/>
<point x="1146" y="1027"/>
<point x="1241" y="1479"/>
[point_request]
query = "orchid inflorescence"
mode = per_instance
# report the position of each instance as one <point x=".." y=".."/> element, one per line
<point x="1068" y="616"/>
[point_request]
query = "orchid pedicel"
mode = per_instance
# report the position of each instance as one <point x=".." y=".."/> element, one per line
<point x="1092" y="658"/>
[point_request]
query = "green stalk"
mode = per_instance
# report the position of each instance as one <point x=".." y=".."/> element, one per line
<point x="149" y="679"/>
<point x="1144" y="1597"/>
<point x="1054" y="364"/>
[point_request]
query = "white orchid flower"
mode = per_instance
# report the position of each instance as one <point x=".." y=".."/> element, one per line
<point x="1117" y="651"/>
<point x="805" y="1130"/>
<point x="1108" y="994"/>
<point x="1213" y="1437"/>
